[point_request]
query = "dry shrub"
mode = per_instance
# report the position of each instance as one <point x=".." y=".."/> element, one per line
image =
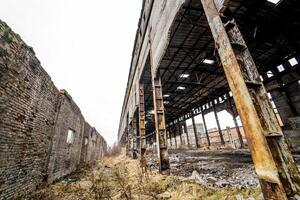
<point x="100" y="187"/>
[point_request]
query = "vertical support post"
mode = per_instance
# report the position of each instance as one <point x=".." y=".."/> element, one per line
<point x="235" y="122"/>
<point x="169" y="135"/>
<point x="134" y="138"/>
<point x="205" y="127"/>
<point x="129" y="132"/>
<point x="274" y="165"/>
<point x="160" y="129"/>
<point x="186" y="132"/>
<point x="142" y="127"/>
<point x="218" y="124"/>
<point x="195" y="132"/>
<point x="175" y="135"/>
<point x="127" y="141"/>
<point x="179" y="130"/>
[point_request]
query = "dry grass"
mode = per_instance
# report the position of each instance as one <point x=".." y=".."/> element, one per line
<point x="121" y="178"/>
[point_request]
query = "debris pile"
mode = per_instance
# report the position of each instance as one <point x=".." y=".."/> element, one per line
<point x="121" y="178"/>
<point x="218" y="168"/>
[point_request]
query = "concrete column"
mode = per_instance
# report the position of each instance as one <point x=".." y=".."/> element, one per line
<point x="218" y="124"/>
<point x="186" y="132"/>
<point x="235" y="122"/>
<point x="195" y="132"/>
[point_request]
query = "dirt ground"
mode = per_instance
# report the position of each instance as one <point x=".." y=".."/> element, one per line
<point x="121" y="178"/>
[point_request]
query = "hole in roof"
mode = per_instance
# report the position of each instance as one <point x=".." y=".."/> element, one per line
<point x="280" y="68"/>
<point x="184" y="75"/>
<point x="274" y="1"/>
<point x="208" y="61"/>
<point x="180" y="88"/>
<point x="293" y="61"/>
<point x="269" y="74"/>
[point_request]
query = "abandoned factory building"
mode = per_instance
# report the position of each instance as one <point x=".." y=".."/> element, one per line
<point x="196" y="57"/>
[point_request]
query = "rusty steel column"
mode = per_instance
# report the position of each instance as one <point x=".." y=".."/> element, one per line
<point x="195" y="132"/>
<point x="170" y="135"/>
<point x="179" y="130"/>
<point x="130" y="138"/>
<point x="187" y="134"/>
<point x="134" y="137"/>
<point x="218" y="124"/>
<point x="175" y="135"/>
<point x="205" y="128"/>
<point x="235" y="122"/>
<point x="160" y="127"/>
<point x="273" y="162"/>
<point x="142" y="128"/>
<point x="126" y="141"/>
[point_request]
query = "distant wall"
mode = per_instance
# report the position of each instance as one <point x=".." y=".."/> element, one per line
<point x="91" y="142"/>
<point x="35" y="118"/>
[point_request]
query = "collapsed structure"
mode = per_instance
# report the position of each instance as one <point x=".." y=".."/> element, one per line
<point x="43" y="135"/>
<point x="193" y="57"/>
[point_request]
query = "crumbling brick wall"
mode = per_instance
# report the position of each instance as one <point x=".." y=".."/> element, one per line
<point x="35" y="118"/>
<point x="28" y="100"/>
<point x="91" y="142"/>
<point x="65" y="155"/>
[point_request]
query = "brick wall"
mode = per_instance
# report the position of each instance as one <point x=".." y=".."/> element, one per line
<point x="91" y="142"/>
<point x="35" y="118"/>
<point x="65" y="155"/>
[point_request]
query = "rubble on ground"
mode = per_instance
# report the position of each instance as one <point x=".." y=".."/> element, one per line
<point x="122" y="178"/>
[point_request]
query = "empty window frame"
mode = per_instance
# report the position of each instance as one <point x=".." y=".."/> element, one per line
<point x="86" y="140"/>
<point x="70" y="136"/>
<point x="293" y="61"/>
<point x="280" y="68"/>
<point x="269" y="74"/>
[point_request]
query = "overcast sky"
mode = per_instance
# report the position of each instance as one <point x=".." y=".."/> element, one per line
<point x="85" y="46"/>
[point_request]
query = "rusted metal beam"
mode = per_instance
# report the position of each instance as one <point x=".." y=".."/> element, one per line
<point x="186" y="132"/>
<point x="134" y="138"/>
<point x="170" y="135"/>
<point x="195" y="132"/>
<point x="273" y="162"/>
<point x="129" y="139"/>
<point x="160" y="127"/>
<point x="218" y="123"/>
<point x="235" y="122"/>
<point x="142" y="128"/>
<point x="205" y="127"/>
<point x="179" y="130"/>
<point x="175" y="135"/>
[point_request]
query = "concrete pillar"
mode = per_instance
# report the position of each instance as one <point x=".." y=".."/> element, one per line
<point x="205" y="127"/>
<point x="235" y="122"/>
<point x="195" y="132"/>
<point x="187" y="134"/>
<point x="218" y="124"/>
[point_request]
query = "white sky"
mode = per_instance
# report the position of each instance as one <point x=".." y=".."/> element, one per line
<point x="85" y="46"/>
